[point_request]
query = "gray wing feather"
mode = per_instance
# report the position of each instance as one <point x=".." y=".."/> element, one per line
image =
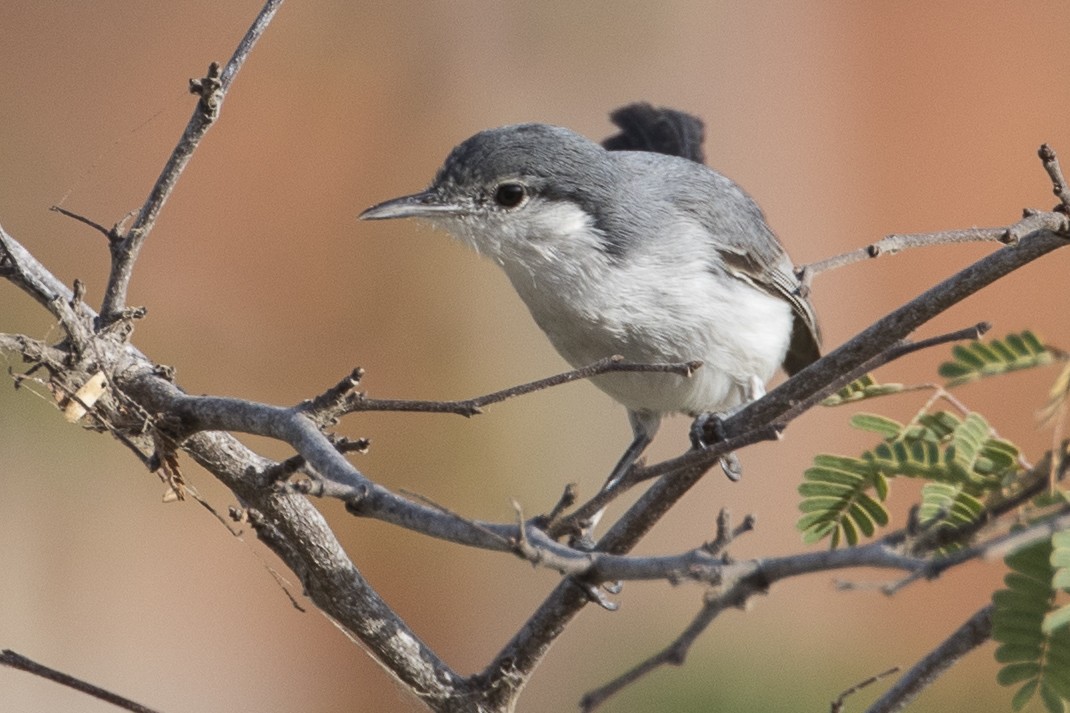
<point x="747" y="247"/>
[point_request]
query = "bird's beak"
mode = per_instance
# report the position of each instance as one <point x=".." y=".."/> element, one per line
<point x="427" y="204"/>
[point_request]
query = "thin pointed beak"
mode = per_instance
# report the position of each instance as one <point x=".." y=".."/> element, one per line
<point x="419" y="205"/>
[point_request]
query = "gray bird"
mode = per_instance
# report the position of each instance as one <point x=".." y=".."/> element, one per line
<point x="638" y="253"/>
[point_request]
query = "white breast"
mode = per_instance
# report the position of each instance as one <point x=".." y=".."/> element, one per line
<point x="658" y="303"/>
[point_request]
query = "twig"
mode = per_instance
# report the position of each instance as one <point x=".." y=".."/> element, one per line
<point x="20" y="662"/>
<point x="837" y="705"/>
<point x="894" y="243"/>
<point x="974" y="632"/>
<point x="326" y="408"/>
<point x="675" y="653"/>
<point x="1055" y="172"/>
<point x="474" y="406"/>
<point x="212" y="90"/>
<point x="111" y="234"/>
<point x="891" y="244"/>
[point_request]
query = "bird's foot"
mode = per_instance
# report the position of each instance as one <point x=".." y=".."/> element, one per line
<point x="707" y="429"/>
<point x="585" y="543"/>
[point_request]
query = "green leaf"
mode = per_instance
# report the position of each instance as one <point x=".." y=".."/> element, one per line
<point x="835" y="476"/>
<point x="859" y="389"/>
<point x="1016" y="673"/>
<point x="977" y="359"/>
<point x="1024" y="602"/>
<point x="823" y="489"/>
<point x="885" y="427"/>
<point x="1056" y="619"/>
<point x="874" y="509"/>
<point x="1053" y="702"/>
<point x="1013" y="653"/>
<point x="1024" y="695"/>
<point x="836" y="503"/>
<point x="1033" y="653"/>
<point x="861" y="519"/>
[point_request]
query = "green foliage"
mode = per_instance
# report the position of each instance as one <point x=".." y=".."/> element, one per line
<point x="835" y="502"/>
<point x="960" y="453"/>
<point x="1037" y="659"/>
<point x="948" y="507"/>
<point x="1059" y="619"/>
<point x="977" y="359"/>
<point x="859" y="389"/>
<point x="966" y="468"/>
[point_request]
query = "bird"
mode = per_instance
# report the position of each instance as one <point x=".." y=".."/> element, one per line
<point x="632" y="247"/>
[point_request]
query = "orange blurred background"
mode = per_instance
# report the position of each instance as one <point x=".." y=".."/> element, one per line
<point x="846" y="121"/>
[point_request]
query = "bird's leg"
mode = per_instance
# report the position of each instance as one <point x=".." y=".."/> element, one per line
<point x="644" y="426"/>
<point x="639" y="443"/>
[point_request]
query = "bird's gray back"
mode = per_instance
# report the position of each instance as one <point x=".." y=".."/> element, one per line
<point x="660" y="188"/>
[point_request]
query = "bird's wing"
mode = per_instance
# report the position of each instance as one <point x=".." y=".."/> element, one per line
<point x="747" y="247"/>
<point x="779" y="279"/>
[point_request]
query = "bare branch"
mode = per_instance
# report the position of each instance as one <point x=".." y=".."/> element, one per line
<point x="33" y="351"/>
<point x="892" y="244"/>
<point x="1055" y="172"/>
<point x="838" y="704"/>
<point x="20" y="662"/>
<point x="212" y="90"/>
<point x="23" y="270"/>
<point x="111" y="234"/>
<point x="974" y="632"/>
<point x="474" y="406"/>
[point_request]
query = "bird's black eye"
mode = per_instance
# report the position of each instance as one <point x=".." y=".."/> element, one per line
<point x="510" y="195"/>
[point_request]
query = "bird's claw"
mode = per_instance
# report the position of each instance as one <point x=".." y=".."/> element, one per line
<point x="713" y="422"/>
<point x="731" y="466"/>
<point x="706" y="422"/>
<point x="595" y="595"/>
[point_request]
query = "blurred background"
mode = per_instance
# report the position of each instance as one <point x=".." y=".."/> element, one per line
<point x="846" y="121"/>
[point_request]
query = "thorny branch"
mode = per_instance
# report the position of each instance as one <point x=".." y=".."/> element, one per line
<point x="155" y="417"/>
<point x="190" y="416"/>
<point x="193" y="423"/>
<point x="211" y="89"/>
<point x="340" y="399"/>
